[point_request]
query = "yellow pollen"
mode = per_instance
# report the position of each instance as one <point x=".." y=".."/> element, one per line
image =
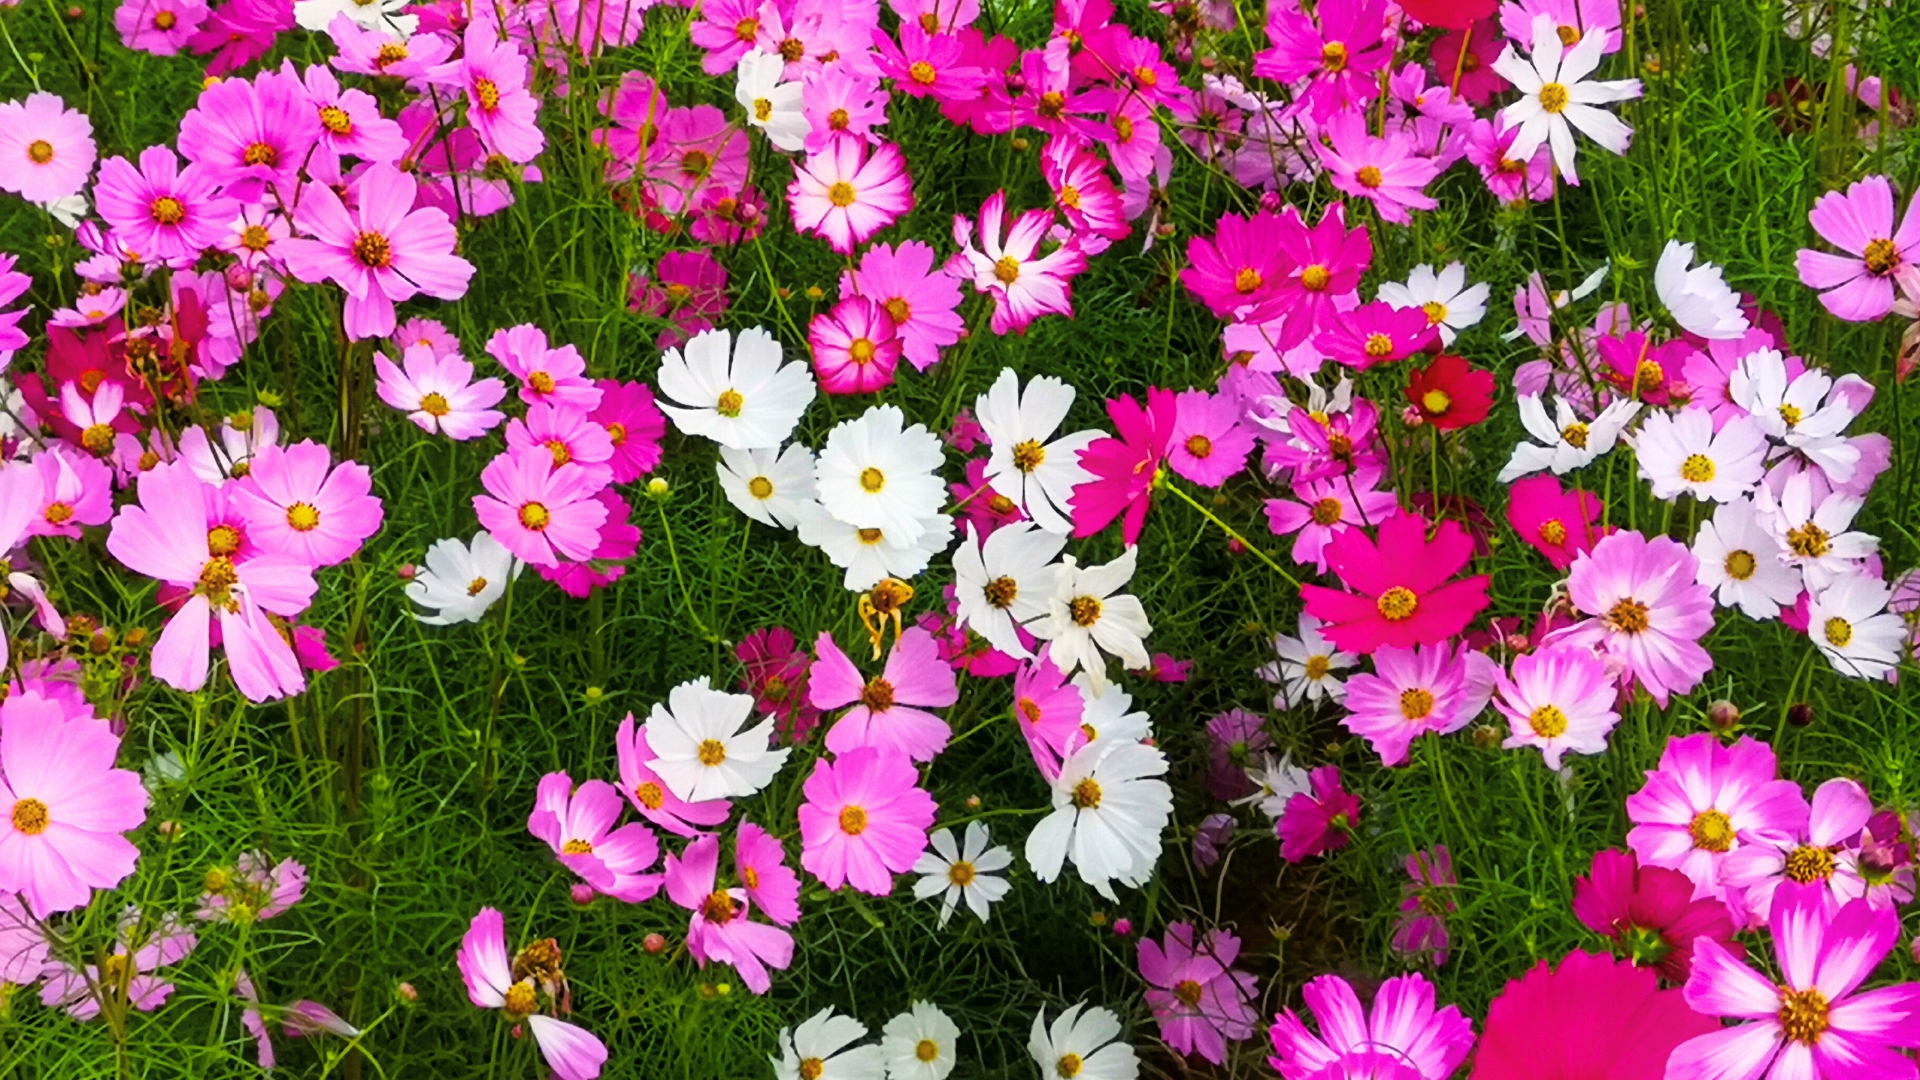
<point x="1697" y="469"/>
<point x="760" y="487"/>
<point x="1808" y="541"/>
<point x="335" y="119"/>
<point x="1553" y="97"/>
<point x="1628" y="616"/>
<point x="853" y="820"/>
<point x="1123" y="128"/>
<point x="1316" y="278"/>
<point x="1369" y="176"/>
<point x="860" y="350"/>
<point x="1379" y="346"/>
<point x="1001" y="592"/>
<point x="1317" y="667"/>
<point x="373" y="250"/>
<point x="898" y="310"/>
<point x="921" y="72"/>
<point x="650" y="795"/>
<point x="303" y="517"/>
<point x="1711" y="831"/>
<point x="617" y="433"/>
<point x="1553" y="531"/>
<point x="1839" y="632"/>
<point x="1416" y="704"/>
<point x="1188" y="992"/>
<point x="476" y="586"/>
<point x="1052" y="105"/>
<point x="217" y="579"/>
<point x="792" y="50"/>
<point x="576" y="847"/>
<point x="30" y="817"/>
<point x="1068" y="1066"/>
<point x="1328" y="511"/>
<point x="878" y="694"/>
<point x="58" y="513"/>
<point x="730" y="403"/>
<point x="1007" y="269"/>
<point x="390" y="54"/>
<point x="98" y="438"/>
<point x="535" y="516"/>
<point x="746" y="29"/>
<point x="435" y="405"/>
<point x="872" y="479"/>
<point x="1574" y="435"/>
<point x="40" y="151"/>
<point x="961" y="874"/>
<point x="1807" y="864"/>
<point x="1069" y="196"/>
<point x="1200" y="446"/>
<point x="1548" y="722"/>
<point x="167" y="210"/>
<point x="869" y="536"/>
<point x="165" y="20"/>
<point x="521" y="1000"/>
<point x="1436" y="402"/>
<point x="1397" y="604"/>
<point x="559" y="450"/>
<point x="1790" y="414"/>
<point x="838" y="120"/>
<point x="1085" y="610"/>
<point x="927" y="1049"/>
<point x="1333" y="56"/>
<point x="1881" y="256"/>
<point x="1247" y="280"/>
<point x="255" y="238"/>
<point x="541" y="381"/>
<point x="1436" y="312"/>
<point x="812" y="1068"/>
<point x="1741" y="565"/>
<point x="1803" y="1015"/>
<point x="1569" y="36"/>
<point x="223" y="540"/>
<point x="712" y="752"/>
<point x="1086" y="794"/>
<point x="841" y="193"/>
<point x="1028" y="455"/>
<point x="487" y="94"/>
<point x="762" y="109"/>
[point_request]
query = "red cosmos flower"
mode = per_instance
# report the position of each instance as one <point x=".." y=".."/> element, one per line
<point x="1401" y="593"/>
<point x="1650" y="913"/>
<point x="1451" y="14"/>
<point x="1449" y="393"/>
<point x="1560" y="524"/>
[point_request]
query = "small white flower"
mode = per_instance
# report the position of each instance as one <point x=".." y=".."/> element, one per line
<point x="1005" y="581"/>
<point x="1039" y="476"/>
<point x="737" y="394"/>
<point x="1740" y="560"/>
<point x="1109" y="713"/>
<point x="772" y="106"/>
<point x="1681" y="454"/>
<point x="766" y="485"/>
<point x="962" y="872"/>
<point x="1277" y="782"/>
<point x="1567" y="442"/>
<point x="815" y="1051"/>
<point x="1557" y="99"/>
<point x="918" y="1044"/>
<point x="316" y="16"/>
<point x="1306" y="665"/>
<point x="1819" y="540"/>
<point x="1802" y="413"/>
<point x="1698" y="299"/>
<point x="1450" y="303"/>
<point x="699" y="747"/>
<point x="1082" y="1046"/>
<point x="214" y="464"/>
<point x="1087" y="620"/>
<point x="869" y="554"/>
<point x="460" y="582"/>
<point x="1850" y="624"/>
<point x="877" y="473"/>
<point x="69" y="210"/>
<point x="1109" y="808"/>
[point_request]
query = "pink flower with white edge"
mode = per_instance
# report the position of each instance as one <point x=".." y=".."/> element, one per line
<point x="1083" y="191"/>
<point x="1825" y="852"/>
<point x="1024" y="285"/>
<point x="1209" y="444"/>
<point x="884" y="713"/>
<point x="298" y="503"/>
<point x="564" y="432"/>
<point x="855" y="347"/>
<point x="845" y="196"/>
<point x="651" y="796"/>
<point x="540" y="512"/>
<point x="547" y="374"/>
<point x="579" y="825"/>
<point x="1645" y="611"/>
<point x="1705" y="802"/>
<point x="1413" y="691"/>
<point x="65" y="805"/>
<point x="760" y="864"/>
<point x="720" y="929"/>
<point x="514" y="985"/>
<point x="922" y="300"/>
<point x="865" y="819"/>
<point x="1323" y="509"/>
<point x="1560" y="700"/>
<point x="439" y="394"/>
<point x="46" y="149"/>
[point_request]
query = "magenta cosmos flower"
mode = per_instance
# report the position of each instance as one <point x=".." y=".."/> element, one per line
<point x="514" y="984"/>
<point x="541" y="512"/>
<point x="1198" y="999"/>
<point x="549" y="374"/>
<point x="249" y="136"/>
<point x="1238" y="267"/>
<point x="1377" y="333"/>
<point x="165" y="537"/>
<point x="1085" y="194"/>
<point x="855" y="347"/>
<point x="1592" y="1018"/>
<point x="564" y="432"/>
<point x="634" y="424"/>
<point x="1813" y="1022"/>
<point x="46" y="149"/>
<point x="1340" y="55"/>
<point x="579" y="825"/>
<point x="160" y="211"/>
<point x="1646" y="610"/>
<point x="865" y="819"/>
<point x="499" y="106"/>
<point x="1387" y="172"/>
<point x="381" y="253"/>
<point x="1858" y="286"/>
<point x="1317" y="821"/>
<point x="1426" y="901"/>
<point x="1824" y="852"/>
<point x="776" y="676"/>
<point x="66" y="806"/>
<point x="760" y="863"/>
<point x="439" y="394"/>
<point x="1024" y="287"/>
<point x="1209" y="444"/>
<point x="1650" y="912"/>
<point x="160" y="27"/>
<point x="883" y="714"/>
<point x="845" y="196"/>
<point x="1124" y="467"/>
<point x="1560" y="523"/>
<point x="1706" y="801"/>
<point x="720" y="929"/>
<point x="1413" y="691"/>
<point x="1402" y="596"/>
<point x="1325" y="509"/>
<point x="651" y="796"/>
<point x="922" y="300"/>
<point x="1404" y="1025"/>
<point x="298" y="503"/>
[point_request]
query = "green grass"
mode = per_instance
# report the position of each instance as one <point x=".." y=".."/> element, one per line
<point x="403" y="779"/>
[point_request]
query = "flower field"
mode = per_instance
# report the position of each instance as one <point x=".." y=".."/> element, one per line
<point x="1338" y="540"/>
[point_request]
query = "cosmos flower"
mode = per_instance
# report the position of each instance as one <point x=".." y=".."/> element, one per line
<point x="919" y="1044"/>
<point x="1707" y="800"/>
<point x="67" y="805"/>
<point x="818" y="1050"/>
<point x="1318" y="820"/>
<point x="513" y="985"/>
<point x="1698" y="298"/>
<point x="460" y="582"/>
<point x="1681" y="453"/>
<point x="1650" y="913"/>
<point x="844" y="195"/>
<point x="1558" y="699"/>
<point x="541" y="513"/>
<point x="856" y="347"/>
<point x="1739" y="560"/>
<point x="1404" y="596"/>
<point x="1403" y="1024"/>
<point x="46" y="149"/>
<point x="1007" y="265"/>
<point x="298" y="503"/>
<point x="865" y="819"/>
<point x="1558" y="97"/>
<point x="738" y="394"/>
<point x="1645" y="611"/>
<point x="1082" y="1044"/>
<point x="1088" y="618"/>
<point x="922" y="300"/>
<point x="1411" y="692"/>
<point x="957" y="872"/>
<point x="1198" y="999"/>
<point x="700" y="750"/>
<point x="650" y="794"/>
<point x="884" y="713"/>
<point x="1028" y="464"/>
<point x="1859" y="285"/>
<point x="160" y="210"/>
<point x="1109" y="807"/>
<point x="877" y="472"/>
<point x="1566" y="442"/>
<point x="439" y="393"/>
<point x="1590" y="1018"/>
<point x="1450" y="304"/>
<point x="1124" y="466"/>
<point x="768" y="486"/>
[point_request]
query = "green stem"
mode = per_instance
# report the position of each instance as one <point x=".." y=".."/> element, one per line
<point x="1229" y="530"/>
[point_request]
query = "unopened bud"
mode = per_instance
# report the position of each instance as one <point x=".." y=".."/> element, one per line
<point x="406" y="571"/>
<point x="1486" y="737"/>
<point x="1800" y="715"/>
<point x="1019" y="144"/>
<point x="168" y="830"/>
<point x="581" y="893"/>
<point x="973" y="802"/>
<point x="1723" y="715"/>
<point x="239" y="278"/>
<point x="1413" y="417"/>
<point x="654" y="944"/>
<point x="1122" y="927"/>
<point x="658" y="487"/>
<point x="407" y="993"/>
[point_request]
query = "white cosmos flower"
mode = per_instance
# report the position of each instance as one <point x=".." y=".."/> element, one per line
<point x="869" y="554"/>
<point x="1698" y="299"/>
<point x="1039" y="476"/>
<point x="1450" y="303"/>
<point x="918" y="1044"/>
<point x="1850" y="624"/>
<point x="1082" y="1046"/>
<point x="1803" y="413"/>
<point x="700" y="750"/>
<point x="1305" y="666"/>
<point x="736" y="393"/>
<point x="1276" y="782"/>
<point x="1109" y="808"/>
<point x="68" y="210"/>
<point x="816" y="1050"/>
<point x="1556" y="98"/>
<point x="1087" y="620"/>
<point x="1566" y="442"/>
<point x="768" y="486"/>
<point x="1109" y="713"/>
<point x="316" y="16"/>
<point x="877" y="473"/>
<point x="1005" y="581"/>
<point x="961" y="872"/>
<point x="461" y="582"/>
<point x="1818" y="539"/>
<point x="1681" y="454"/>
<point x="772" y="106"/>
<point x="1740" y="561"/>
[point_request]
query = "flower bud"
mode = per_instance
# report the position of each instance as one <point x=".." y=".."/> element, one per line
<point x="1122" y="927"/>
<point x="654" y="944"/>
<point x="582" y="894"/>
<point x="1800" y="715"/>
<point x="407" y="993"/>
<point x="1723" y="715"/>
<point x="406" y="571"/>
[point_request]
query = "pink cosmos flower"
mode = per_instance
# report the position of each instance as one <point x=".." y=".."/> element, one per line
<point x="776" y="676"/>
<point x="579" y="826"/>
<point x="635" y="426"/>
<point x="1858" y="286"/>
<point x="922" y="302"/>
<point x="1650" y="913"/>
<point x="1323" y="509"/>
<point x="439" y="393"/>
<point x="240" y="33"/>
<point x="1814" y="1020"/>
<point x="1056" y="102"/>
<point x="248" y="136"/>
<point x="1340" y="55"/>
<point x="1509" y="180"/>
<point x="1706" y="801"/>
<point x="865" y="819"/>
<point x="350" y="121"/>
<point x="1197" y="998"/>
<point x="541" y="512"/>
<point x="160" y="27"/>
<point x="1709" y="372"/>
<point x="548" y="375"/>
<point x="164" y="536"/>
<point x="1402" y="593"/>
<point x="1403" y="1027"/>
<point x="1239" y="267"/>
<point x="1559" y="700"/>
<point x="1124" y="467"/>
<point x="760" y="865"/>
<point x="564" y="432"/>
<point x="651" y="796"/>
<point x="720" y="929"/>
<point x="1377" y="333"/>
<point x="1592" y="1018"/>
<point x="66" y="804"/>
<point x="883" y="714"/>
<point x="845" y="196"/>
<point x="266" y="889"/>
<point x="855" y="347"/>
<point x="619" y="539"/>
<point x="1319" y="821"/>
<point x="78" y="990"/>
<point x="1637" y="368"/>
<point x="1646" y="611"/>
<point x="689" y="289"/>
<point x="161" y="212"/>
<point x="46" y="149"/>
<point x="1411" y="692"/>
<point x="75" y="491"/>
<point x="1561" y="524"/>
<point x="983" y="507"/>
<point x="495" y="981"/>
<point x="1572" y="20"/>
<point x="1083" y="191"/>
<point x="499" y="107"/>
<point x="1427" y="901"/>
<point x="1825" y="851"/>
<point x="1208" y="444"/>
<point x="1049" y="711"/>
<point x="296" y="506"/>
<point x="695" y="150"/>
<point x="23" y="948"/>
<point x="1322" y="264"/>
<point x="382" y="252"/>
<point x="1233" y="738"/>
<point x="1385" y="171"/>
<point x="927" y="64"/>
<point x="1023" y="287"/>
<point x="842" y="104"/>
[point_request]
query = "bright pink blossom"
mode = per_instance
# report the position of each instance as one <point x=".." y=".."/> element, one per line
<point x="547" y="374"/>
<point x="1650" y="912"/>
<point x="720" y="929"/>
<point x="1402" y="595"/>
<point x="1706" y="801"/>
<point x="1645" y="610"/>
<point x="298" y="503"/>
<point x="1559" y="523"/>
<point x="1413" y="691"/>
<point x="248" y="136"/>
<point x="1049" y="711"/>
<point x="884" y="713"/>
<point x="1318" y="821"/>
<point x="1426" y="901"/>
<point x="865" y="819"/>
<point x="1385" y="171"/>
<point x="1858" y="286"/>
<point x="1239" y="267"/>
<point x="1323" y="509"/>
<point x="760" y="864"/>
<point x="499" y="106"/>
<point x="1377" y="333"/>
<point x="1124" y="467"/>
<point x="1340" y="55"/>
<point x="651" y="796"/>
<point x="439" y="394"/>
<point x="579" y="825"/>
<point x="66" y="805"/>
<point x="490" y="975"/>
<point x="1404" y="1027"/>
<point x="1198" y="999"/>
<point x="1208" y="444"/>
<point x="855" y="347"/>
<point x="844" y="196"/>
<point x="160" y="211"/>
<point x="635" y="426"/>
<point x="160" y="27"/>
<point x="1024" y="287"/>
<point x="540" y="512"/>
<point x="1592" y="1018"/>
<point x="922" y="301"/>
<point x="1826" y="851"/>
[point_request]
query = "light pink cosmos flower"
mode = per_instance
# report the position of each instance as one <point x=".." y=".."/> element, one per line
<point x="161" y="212"/>
<point x="556" y="375"/>
<point x="855" y="347"/>
<point x="845" y="196"/>
<point x="1646" y="612"/>
<point x="1209" y="444"/>
<point x="1426" y="901"/>
<point x="720" y="929"/>
<point x="438" y="393"/>
<point x="1825" y="852"/>
<point x="540" y="512"/>
<point x="252" y="135"/>
<point x="1509" y="179"/>
<point x="760" y="864"/>
<point x="865" y="819"/>
<point x="1858" y="286"/>
<point x="1198" y="999"/>
<point x="297" y="503"/>
<point x="350" y="121"/>
<point x="1706" y="801"/>
<point x="1323" y="509"/>
<point x="884" y="714"/>
<point x="1385" y="171"/>
<point x="499" y="107"/>
<point x="1413" y="691"/>
<point x="579" y="826"/>
<point x="1404" y="1029"/>
<point x="66" y="805"/>
<point x="651" y="796"/>
<point x="841" y="104"/>
<point x="382" y="252"/>
<point x="696" y="150"/>
<point x="164" y="536"/>
<point x="495" y="981"/>
<point x="160" y="27"/>
<point x="567" y="434"/>
<point x="1024" y="287"/>
<point x="46" y="149"/>
<point x="922" y="300"/>
<point x="75" y="491"/>
<point x="365" y="51"/>
<point x="1559" y="699"/>
<point x="1813" y="1022"/>
<point x="1050" y="712"/>
<point x="77" y="989"/>
<point x="23" y="948"/>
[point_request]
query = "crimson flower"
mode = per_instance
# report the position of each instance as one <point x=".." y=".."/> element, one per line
<point x="1449" y="393"/>
<point x="1401" y="593"/>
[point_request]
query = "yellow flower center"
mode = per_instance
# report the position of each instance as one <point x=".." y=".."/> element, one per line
<point x="303" y="517"/>
<point x="521" y="1000"/>
<point x="1379" y="346"/>
<point x="476" y="586"/>
<point x="1028" y="455"/>
<point x="812" y="1068"/>
<point x="541" y="381"/>
<point x="1369" y="176"/>
<point x="1436" y="312"/>
<point x="1333" y="56"/>
<point x="1553" y="531"/>
<point x="1790" y="414"/>
<point x="40" y="151"/>
<point x="1808" y="541"/>
<point x="1086" y="794"/>
<point x="1327" y="511"/>
<point x="1881" y="256"/>
<point x="872" y="479"/>
<point x="1436" y="402"/>
<point x="535" y="516"/>
<point x="1069" y="196"/>
<point x="1007" y="269"/>
<point x="650" y="795"/>
<point x="217" y="579"/>
<point x="853" y="820"/>
<point x="487" y="94"/>
<point x="860" y="351"/>
<point x="58" y="513"/>
<point x="1553" y="97"/>
<point x="1001" y="592"/>
<point x="98" y="438"/>
<point x="167" y="210"/>
<point x="841" y="193"/>
<point x="1803" y="1015"/>
<point x="1697" y="469"/>
<point x="921" y="72"/>
<point x="1628" y="616"/>
<point x="435" y="405"/>
<point x="576" y="847"/>
<point x="1200" y="446"/>
<point x="838" y="120"/>
<point x="1318" y="666"/>
<point x="1807" y="864"/>
<point x="1187" y="992"/>
<point x="1548" y="722"/>
<point x="1085" y="610"/>
<point x="1068" y="1066"/>
<point x="1839" y="632"/>
<point x="259" y="153"/>
<point x="1741" y="565"/>
<point x="869" y="536"/>
<point x="1711" y="831"/>
<point x="1397" y="604"/>
<point x="373" y="250"/>
<point x="712" y="752"/>
<point x="223" y="540"/>
<point x="30" y="817"/>
<point x="1416" y="704"/>
<point x="335" y="119"/>
<point x="1569" y="36"/>
<point x="1574" y="435"/>
<point x="760" y="487"/>
<point x="762" y="109"/>
<point x="878" y="694"/>
<point x="1247" y="280"/>
<point x="1316" y="278"/>
<point x="746" y="30"/>
<point x="961" y="874"/>
<point x="730" y="403"/>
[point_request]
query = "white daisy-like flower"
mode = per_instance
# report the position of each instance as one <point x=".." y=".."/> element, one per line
<point x="817" y="1050"/>
<point x="1005" y="581"/>
<point x="1082" y="1046"/>
<point x="738" y="394"/>
<point x="1740" y="561"/>
<point x="1818" y="540"/>
<point x="962" y="872"/>
<point x="1681" y="454"/>
<point x="1108" y="713"/>
<point x="772" y="106"/>
<point x="316" y="16"/>
<point x="1088" y="618"/>
<point x="1802" y="413"/>
<point x="1109" y="808"/>
<point x="68" y="210"/>
<point x="1698" y="299"/>
<point x="1450" y="303"/>
<point x="869" y="554"/>
<point x="1850" y="624"/>
<point x="1557" y="97"/>
<point x="1039" y="476"/>
<point x="1305" y="666"/>
<point x="460" y="582"/>
<point x="700" y="749"/>
<point x="769" y="486"/>
<point x="1566" y="442"/>
<point x="918" y="1044"/>
<point x="877" y="473"/>
<point x="1276" y="782"/>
